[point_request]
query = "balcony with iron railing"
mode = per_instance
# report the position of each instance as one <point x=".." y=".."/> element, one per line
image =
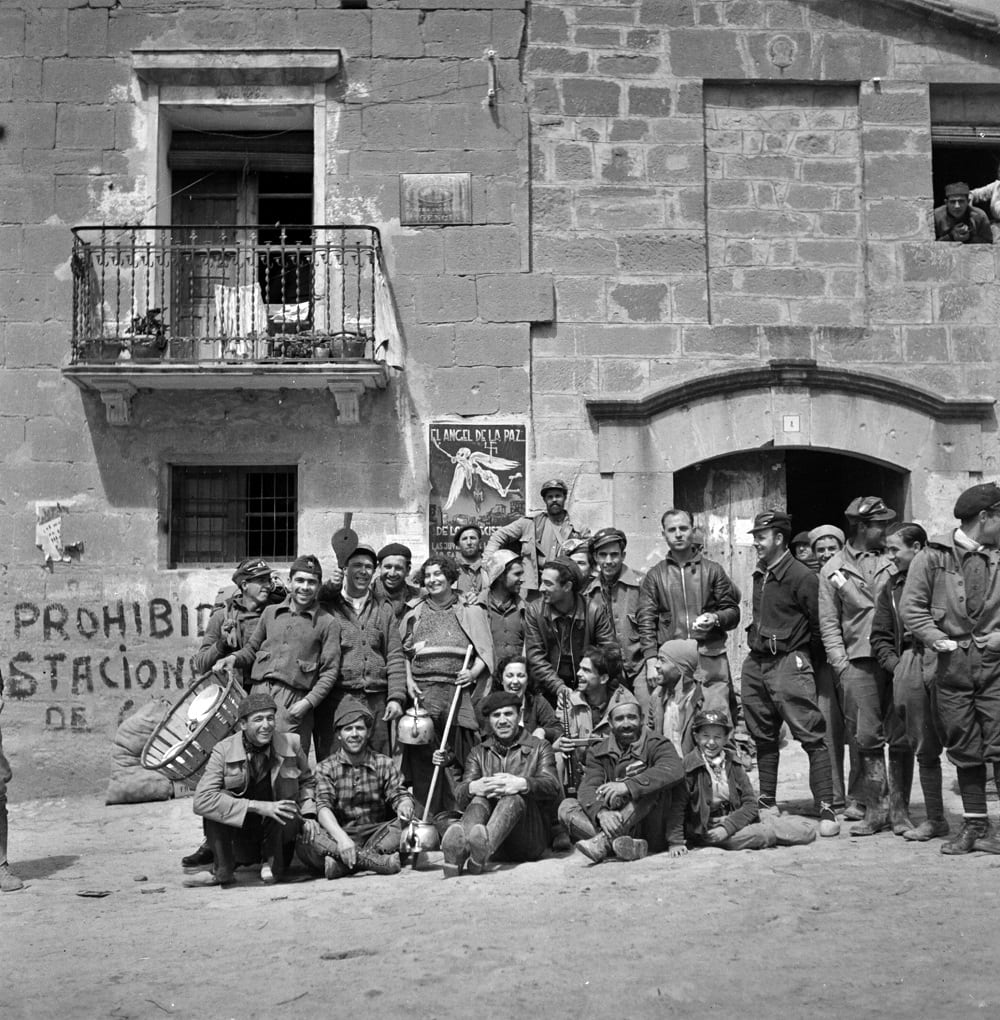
<point x="210" y="307"/>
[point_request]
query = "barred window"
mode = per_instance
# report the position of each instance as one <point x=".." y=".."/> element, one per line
<point x="220" y="515"/>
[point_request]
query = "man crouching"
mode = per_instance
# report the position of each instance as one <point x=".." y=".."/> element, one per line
<point x="507" y="790"/>
<point x="626" y="803"/>
<point x="256" y="793"/>
<point x="361" y="802"/>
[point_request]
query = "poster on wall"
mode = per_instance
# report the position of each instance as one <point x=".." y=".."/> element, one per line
<point x="477" y="475"/>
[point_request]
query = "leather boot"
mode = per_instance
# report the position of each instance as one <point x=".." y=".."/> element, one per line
<point x="485" y="840"/>
<point x="929" y="829"/>
<point x="628" y="849"/>
<point x="455" y="850"/>
<point x="973" y="830"/>
<point x="876" y="810"/>
<point x="382" y="864"/>
<point x="900" y="784"/>
<point x="333" y="867"/>
<point x="201" y="859"/>
<point x="9" y="882"/>
<point x="596" y="849"/>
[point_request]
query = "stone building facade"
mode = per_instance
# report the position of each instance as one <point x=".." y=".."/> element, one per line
<point x="696" y="262"/>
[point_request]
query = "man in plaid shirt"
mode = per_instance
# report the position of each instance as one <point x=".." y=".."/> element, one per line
<point x="361" y="802"/>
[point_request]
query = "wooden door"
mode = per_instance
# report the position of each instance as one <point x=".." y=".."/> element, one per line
<point x="725" y="495"/>
<point x="208" y="219"/>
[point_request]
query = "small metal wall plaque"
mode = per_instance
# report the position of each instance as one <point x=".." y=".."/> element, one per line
<point x="435" y="199"/>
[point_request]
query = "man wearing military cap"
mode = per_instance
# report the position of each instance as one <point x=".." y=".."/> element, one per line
<point x="508" y="794"/>
<point x="958" y="221"/>
<point x="255" y="794"/>
<point x="229" y="629"/>
<point x="778" y="684"/>
<point x="468" y="540"/>
<point x="951" y="605"/>
<point x="615" y="586"/>
<point x="360" y="802"/>
<point x="394" y="562"/>
<point x="538" y="537"/>
<point x="372" y="664"/>
<point x="849" y="585"/>
<point x="294" y="651"/>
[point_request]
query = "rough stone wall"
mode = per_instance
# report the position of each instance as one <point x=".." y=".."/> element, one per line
<point x="843" y="270"/>
<point x="410" y="98"/>
<point x="784" y="204"/>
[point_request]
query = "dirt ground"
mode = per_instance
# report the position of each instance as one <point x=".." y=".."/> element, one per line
<point x="851" y="927"/>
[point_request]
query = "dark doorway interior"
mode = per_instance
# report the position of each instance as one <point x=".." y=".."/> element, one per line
<point x="821" y="484"/>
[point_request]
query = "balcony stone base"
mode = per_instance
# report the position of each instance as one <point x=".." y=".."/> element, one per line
<point x="119" y="384"/>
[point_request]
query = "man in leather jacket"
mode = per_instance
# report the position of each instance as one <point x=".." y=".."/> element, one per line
<point x="507" y="791"/>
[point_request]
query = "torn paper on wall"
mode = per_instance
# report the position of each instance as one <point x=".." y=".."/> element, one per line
<point x="48" y="532"/>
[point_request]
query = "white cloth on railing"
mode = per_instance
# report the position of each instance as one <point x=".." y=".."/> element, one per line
<point x="297" y="313"/>
<point x="388" y="335"/>
<point x="240" y="310"/>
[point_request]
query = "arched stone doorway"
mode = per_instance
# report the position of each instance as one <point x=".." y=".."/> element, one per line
<point x="725" y="493"/>
<point x="775" y="426"/>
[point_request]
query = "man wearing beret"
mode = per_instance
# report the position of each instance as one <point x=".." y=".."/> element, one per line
<point x="849" y="584"/>
<point x="958" y="221"/>
<point x="468" y="540"/>
<point x="559" y="626"/>
<point x="615" y="586"/>
<point x="629" y="802"/>
<point x="951" y="606"/>
<point x="254" y="795"/>
<point x="688" y="596"/>
<point x="507" y="793"/>
<point x="294" y="652"/>
<point x="778" y="683"/>
<point x="360" y="802"/>
<point x="538" y="537"/>
<point x="394" y="562"/>
<point x="372" y="665"/>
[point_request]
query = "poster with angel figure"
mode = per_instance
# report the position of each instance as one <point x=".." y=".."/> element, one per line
<point x="477" y="477"/>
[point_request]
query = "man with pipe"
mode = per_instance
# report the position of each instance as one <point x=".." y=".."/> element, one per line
<point x="255" y="794"/>
<point x="506" y="792"/>
<point x="629" y="802"/>
<point x="360" y="802"/>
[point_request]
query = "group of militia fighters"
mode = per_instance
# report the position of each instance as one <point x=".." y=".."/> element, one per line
<point x="587" y="705"/>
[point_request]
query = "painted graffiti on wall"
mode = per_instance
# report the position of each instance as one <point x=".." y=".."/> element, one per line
<point x="61" y="649"/>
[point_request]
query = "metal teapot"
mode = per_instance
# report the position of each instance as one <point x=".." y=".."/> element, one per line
<point x="415" y="726"/>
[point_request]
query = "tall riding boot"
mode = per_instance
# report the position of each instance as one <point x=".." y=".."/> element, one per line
<point x="485" y="840"/>
<point x="900" y="784"/>
<point x="9" y="882"/>
<point x="876" y="810"/>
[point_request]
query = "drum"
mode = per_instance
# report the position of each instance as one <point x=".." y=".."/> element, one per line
<point x="205" y="714"/>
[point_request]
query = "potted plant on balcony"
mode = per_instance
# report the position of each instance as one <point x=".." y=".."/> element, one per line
<point x="146" y="337"/>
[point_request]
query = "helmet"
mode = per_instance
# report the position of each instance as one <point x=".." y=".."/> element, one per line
<point x="415" y="727"/>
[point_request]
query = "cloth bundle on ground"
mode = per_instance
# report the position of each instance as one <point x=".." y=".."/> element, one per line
<point x="130" y="782"/>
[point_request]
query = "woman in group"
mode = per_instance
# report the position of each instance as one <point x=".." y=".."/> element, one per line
<point x="827" y="540"/>
<point x="896" y="653"/>
<point x="537" y="716"/>
<point x="438" y="630"/>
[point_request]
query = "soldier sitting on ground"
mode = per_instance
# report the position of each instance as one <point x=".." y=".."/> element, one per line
<point x="627" y="803"/>
<point x="721" y="808"/>
<point x="360" y="800"/>
<point x="506" y="793"/>
<point x="255" y="795"/>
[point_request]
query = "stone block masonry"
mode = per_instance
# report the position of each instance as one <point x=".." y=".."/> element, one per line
<point x="782" y="240"/>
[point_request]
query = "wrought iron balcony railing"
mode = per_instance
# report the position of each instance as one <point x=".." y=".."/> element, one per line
<point x="211" y="294"/>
